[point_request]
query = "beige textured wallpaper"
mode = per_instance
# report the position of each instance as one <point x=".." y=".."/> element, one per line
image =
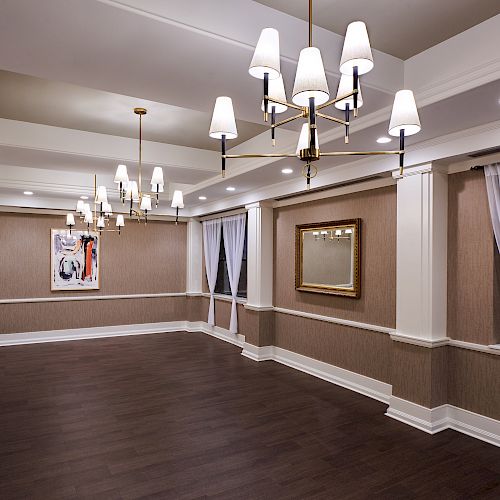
<point x="149" y="259"/>
<point x="360" y="351"/>
<point x="471" y="274"/>
<point x="377" y="210"/>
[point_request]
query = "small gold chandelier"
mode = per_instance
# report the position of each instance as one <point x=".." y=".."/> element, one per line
<point x="97" y="218"/>
<point x="311" y="95"/>
<point x="131" y="191"/>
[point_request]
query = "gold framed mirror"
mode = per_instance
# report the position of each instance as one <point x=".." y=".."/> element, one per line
<point x="327" y="257"/>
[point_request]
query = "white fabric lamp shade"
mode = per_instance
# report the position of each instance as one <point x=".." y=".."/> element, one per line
<point x="223" y="121"/>
<point x="404" y="114"/>
<point x="86" y="208"/>
<point x="345" y="87"/>
<point x="338" y="232"/>
<point x="310" y="79"/>
<point x="146" y="202"/>
<point x="120" y="222"/>
<point x="157" y="177"/>
<point x="157" y="188"/>
<point x="304" y="139"/>
<point x="102" y="195"/>
<point x="177" y="199"/>
<point x="276" y="91"/>
<point x="266" y="57"/>
<point x="121" y="174"/>
<point x="357" y="50"/>
<point x="132" y="191"/>
<point x="101" y="222"/>
<point x="107" y="209"/>
<point x="70" y="220"/>
<point x="88" y="217"/>
<point x="80" y="206"/>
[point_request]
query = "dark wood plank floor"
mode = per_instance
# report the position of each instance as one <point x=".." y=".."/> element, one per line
<point x="184" y="416"/>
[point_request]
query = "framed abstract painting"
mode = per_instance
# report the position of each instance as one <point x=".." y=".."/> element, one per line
<point x="74" y="260"/>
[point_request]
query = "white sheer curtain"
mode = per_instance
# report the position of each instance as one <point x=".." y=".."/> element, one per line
<point x="234" y="241"/>
<point x="492" y="176"/>
<point x="211" y="246"/>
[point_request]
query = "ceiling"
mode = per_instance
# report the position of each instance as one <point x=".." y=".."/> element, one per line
<point x="37" y="100"/>
<point x="402" y="28"/>
<point x="76" y="68"/>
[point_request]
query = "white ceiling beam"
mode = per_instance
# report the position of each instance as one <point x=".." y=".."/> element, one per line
<point x="458" y="143"/>
<point x="89" y="144"/>
<point x="463" y="62"/>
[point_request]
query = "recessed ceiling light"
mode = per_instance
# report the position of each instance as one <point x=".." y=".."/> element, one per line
<point x="230" y="188"/>
<point x="84" y="197"/>
<point x="202" y="198"/>
<point x="28" y="193"/>
<point x="286" y="171"/>
<point x="384" y="140"/>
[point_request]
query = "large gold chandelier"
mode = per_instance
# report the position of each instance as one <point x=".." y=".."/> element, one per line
<point x="311" y="96"/>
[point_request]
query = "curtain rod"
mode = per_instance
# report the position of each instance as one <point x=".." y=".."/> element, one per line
<point x="478" y="167"/>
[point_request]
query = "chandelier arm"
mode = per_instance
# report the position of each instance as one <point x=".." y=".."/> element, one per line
<point x="287" y="120"/>
<point x="332" y="118"/>
<point x="361" y="153"/>
<point x="263" y="155"/>
<point x="337" y="99"/>
<point x="285" y="103"/>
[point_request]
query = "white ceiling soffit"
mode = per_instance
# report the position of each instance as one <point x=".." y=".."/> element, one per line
<point x="37" y="100"/>
<point x="402" y="28"/>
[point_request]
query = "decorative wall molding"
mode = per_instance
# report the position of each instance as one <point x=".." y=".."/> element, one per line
<point x="354" y="381"/>
<point x="422" y="342"/>
<point x="224" y="298"/>
<point x="338" y="321"/>
<point x="74" y="298"/>
<point x="433" y="420"/>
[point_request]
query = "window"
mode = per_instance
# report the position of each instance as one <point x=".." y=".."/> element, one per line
<point x="222" y="285"/>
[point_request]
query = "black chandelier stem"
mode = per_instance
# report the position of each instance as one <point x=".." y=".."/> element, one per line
<point x="266" y="96"/>
<point x="347" y="111"/>
<point x="223" y="149"/>
<point x="312" y="124"/>
<point x="401" y="148"/>
<point x="355" y="86"/>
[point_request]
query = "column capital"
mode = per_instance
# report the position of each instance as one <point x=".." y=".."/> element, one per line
<point x="425" y="168"/>
<point x="259" y="204"/>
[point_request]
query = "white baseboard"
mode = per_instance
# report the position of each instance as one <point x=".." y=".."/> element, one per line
<point x="215" y="331"/>
<point x="10" y="339"/>
<point x="433" y="420"/>
<point x="354" y="381"/>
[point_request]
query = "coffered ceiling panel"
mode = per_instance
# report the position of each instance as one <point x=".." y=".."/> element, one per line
<point x="402" y="28"/>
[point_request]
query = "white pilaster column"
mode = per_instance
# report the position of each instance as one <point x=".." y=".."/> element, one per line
<point x="194" y="249"/>
<point x="422" y="220"/>
<point x="260" y="256"/>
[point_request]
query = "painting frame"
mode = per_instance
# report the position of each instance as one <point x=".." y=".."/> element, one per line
<point x="82" y="286"/>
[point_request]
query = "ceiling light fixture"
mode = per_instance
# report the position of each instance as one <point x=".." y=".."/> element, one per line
<point x="28" y="193"/>
<point x="202" y="198"/>
<point x="132" y="190"/>
<point x="230" y="188"/>
<point x="287" y="171"/>
<point x="99" y="217"/>
<point x="384" y="140"/>
<point x="311" y="95"/>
